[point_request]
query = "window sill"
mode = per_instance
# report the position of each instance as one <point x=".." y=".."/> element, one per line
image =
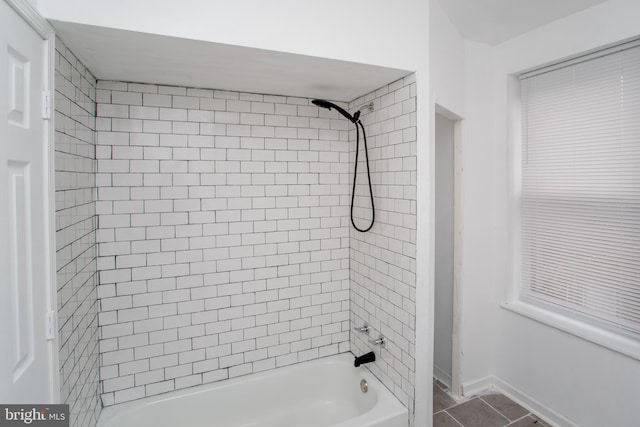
<point x="616" y="342"/>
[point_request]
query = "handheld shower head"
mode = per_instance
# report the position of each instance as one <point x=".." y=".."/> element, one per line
<point x="355" y="119"/>
<point x="329" y="105"/>
<point x="322" y="103"/>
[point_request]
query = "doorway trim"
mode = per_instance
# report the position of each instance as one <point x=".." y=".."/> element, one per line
<point x="41" y="26"/>
<point x="458" y="198"/>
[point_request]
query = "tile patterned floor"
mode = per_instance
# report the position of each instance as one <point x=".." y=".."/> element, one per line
<point x="490" y="409"/>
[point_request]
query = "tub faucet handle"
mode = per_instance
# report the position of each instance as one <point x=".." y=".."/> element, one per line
<point x="364" y="328"/>
<point x="381" y="341"/>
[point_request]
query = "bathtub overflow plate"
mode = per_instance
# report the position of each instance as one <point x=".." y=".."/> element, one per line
<point x="364" y="386"/>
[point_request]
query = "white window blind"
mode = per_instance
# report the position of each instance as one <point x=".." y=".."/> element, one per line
<point x="581" y="187"/>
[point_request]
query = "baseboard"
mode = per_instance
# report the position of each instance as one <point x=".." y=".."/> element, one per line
<point x="547" y="414"/>
<point x="470" y="388"/>
<point x="442" y="376"/>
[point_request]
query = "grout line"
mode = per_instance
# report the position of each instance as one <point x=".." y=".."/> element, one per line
<point x="454" y="419"/>
<point x="488" y="404"/>
<point x="519" y="419"/>
<point x="449" y="407"/>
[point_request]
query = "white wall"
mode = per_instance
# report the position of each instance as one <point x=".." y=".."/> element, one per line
<point x="459" y="72"/>
<point x="447" y="62"/>
<point x="479" y="218"/>
<point x="356" y="31"/>
<point x="570" y="380"/>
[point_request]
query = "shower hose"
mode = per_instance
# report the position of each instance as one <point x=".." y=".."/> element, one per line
<point x="355" y="175"/>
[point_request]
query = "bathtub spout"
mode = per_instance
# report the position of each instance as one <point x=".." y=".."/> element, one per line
<point x="365" y="358"/>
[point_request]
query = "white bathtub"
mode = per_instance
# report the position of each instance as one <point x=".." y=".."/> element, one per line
<point x="320" y="393"/>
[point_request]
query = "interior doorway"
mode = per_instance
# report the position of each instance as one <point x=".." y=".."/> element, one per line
<point x="448" y="239"/>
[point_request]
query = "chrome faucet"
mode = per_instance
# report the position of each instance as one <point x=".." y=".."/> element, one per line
<point x="381" y="341"/>
<point x="364" y="328"/>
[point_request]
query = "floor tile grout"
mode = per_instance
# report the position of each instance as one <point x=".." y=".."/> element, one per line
<point x="480" y="397"/>
<point x="495" y="409"/>
<point x="454" y="418"/>
<point x="519" y="419"/>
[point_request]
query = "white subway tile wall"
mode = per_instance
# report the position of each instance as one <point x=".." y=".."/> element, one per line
<point x="383" y="260"/>
<point x="76" y="263"/>
<point x="223" y="235"/>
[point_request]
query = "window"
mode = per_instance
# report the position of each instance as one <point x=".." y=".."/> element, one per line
<point x="580" y="195"/>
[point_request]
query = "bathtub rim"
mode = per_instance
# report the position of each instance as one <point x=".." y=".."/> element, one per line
<point x="387" y="406"/>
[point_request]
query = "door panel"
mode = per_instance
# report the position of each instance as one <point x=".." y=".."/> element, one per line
<point x="18" y="69"/>
<point x="22" y="333"/>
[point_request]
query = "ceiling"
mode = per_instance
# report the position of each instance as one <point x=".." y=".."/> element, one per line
<point x="495" y="21"/>
<point x="113" y="54"/>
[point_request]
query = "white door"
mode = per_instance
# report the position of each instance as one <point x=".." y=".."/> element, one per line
<point x="26" y="357"/>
